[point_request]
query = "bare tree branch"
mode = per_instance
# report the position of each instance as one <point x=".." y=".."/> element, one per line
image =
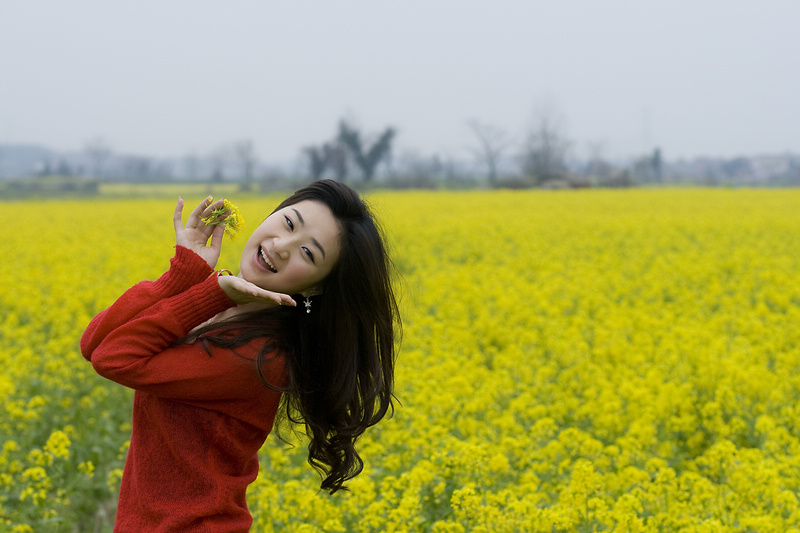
<point x="545" y="155"/>
<point x="366" y="160"/>
<point x="492" y="142"/>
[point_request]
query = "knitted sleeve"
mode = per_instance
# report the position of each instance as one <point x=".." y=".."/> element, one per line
<point x="140" y="354"/>
<point x="132" y="342"/>
<point x="186" y="269"/>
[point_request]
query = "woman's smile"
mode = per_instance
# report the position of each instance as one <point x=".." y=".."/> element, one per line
<point x="262" y="259"/>
<point x="293" y="250"/>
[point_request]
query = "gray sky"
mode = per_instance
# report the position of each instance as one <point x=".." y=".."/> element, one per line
<point x="167" y="77"/>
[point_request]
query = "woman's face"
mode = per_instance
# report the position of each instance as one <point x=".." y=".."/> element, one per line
<point x="293" y="250"/>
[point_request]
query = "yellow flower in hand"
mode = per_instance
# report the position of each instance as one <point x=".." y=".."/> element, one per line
<point x="228" y="215"/>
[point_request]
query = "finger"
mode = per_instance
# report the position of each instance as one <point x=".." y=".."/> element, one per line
<point x="202" y="222"/>
<point x="195" y="218"/>
<point x="208" y="220"/>
<point x="176" y="217"/>
<point x="211" y="207"/>
<point x="282" y="299"/>
<point x="216" y="237"/>
<point x="275" y="297"/>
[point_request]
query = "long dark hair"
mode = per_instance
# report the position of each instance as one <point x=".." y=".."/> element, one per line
<point x="340" y="356"/>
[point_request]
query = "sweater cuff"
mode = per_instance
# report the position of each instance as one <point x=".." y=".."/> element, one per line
<point x="186" y="269"/>
<point x="201" y="302"/>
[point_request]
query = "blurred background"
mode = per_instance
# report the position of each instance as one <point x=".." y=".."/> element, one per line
<point x="400" y="94"/>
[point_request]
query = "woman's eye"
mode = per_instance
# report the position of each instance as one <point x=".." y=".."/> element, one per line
<point x="309" y="254"/>
<point x="289" y="223"/>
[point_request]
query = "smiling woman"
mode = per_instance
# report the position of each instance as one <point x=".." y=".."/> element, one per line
<point x="214" y="359"/>
<point x="293" y="250"/>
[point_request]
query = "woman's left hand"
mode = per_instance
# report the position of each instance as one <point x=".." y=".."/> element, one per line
<point x="196" y="233"/>
<point x="243" y="292"/>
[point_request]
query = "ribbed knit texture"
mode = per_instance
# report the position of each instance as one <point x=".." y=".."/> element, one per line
<point x="198" y="420"/>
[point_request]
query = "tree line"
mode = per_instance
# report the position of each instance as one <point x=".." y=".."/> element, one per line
<point x="542" y="157"/>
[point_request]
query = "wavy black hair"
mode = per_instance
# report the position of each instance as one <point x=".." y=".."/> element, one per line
<point x="340" y="357"/>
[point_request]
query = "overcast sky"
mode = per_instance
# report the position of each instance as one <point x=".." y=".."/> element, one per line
<point x="168" y="78"/>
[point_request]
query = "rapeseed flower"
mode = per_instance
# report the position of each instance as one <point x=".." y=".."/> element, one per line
<point x="591" y="360"/>
<point x="58" y="444"/>
<point x="87" y="467"/>
<point x="229" y="215"/>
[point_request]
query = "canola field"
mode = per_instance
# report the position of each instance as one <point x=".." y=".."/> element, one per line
<point x="572" y="361"/>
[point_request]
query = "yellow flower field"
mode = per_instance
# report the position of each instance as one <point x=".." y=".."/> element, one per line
<point x="572" y="361"/>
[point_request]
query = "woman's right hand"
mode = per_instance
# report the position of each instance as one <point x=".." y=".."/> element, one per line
<point x="195" y="234"/>
<point x="242" y="292"/>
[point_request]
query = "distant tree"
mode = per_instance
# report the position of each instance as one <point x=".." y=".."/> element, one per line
<point x="492" y="142"/>
<point x="273" y="178"/>
<point x="245" y="154"/>
<point x="163" y="170"/>
<point x="98" y="152"/>
<point x="597" y="166"/>
<point x="418" y="171"/>
<point x="792" y="176"/>
<point x="328" y="156"/>
<point x="648" y="168"/>
<point x="545" y="153"/>
<point x="366" y="159"/>
<point x="63" y="168"/>
<point x="137" y="167"/>
<point x="336" y="159"/>
<point x="738" y="169"/>
<point x="317" y="160"/>
<point x="657" y="164"/>
<point x="218" y="160"/>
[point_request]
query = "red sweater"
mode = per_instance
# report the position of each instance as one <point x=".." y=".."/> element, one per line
<point x="198" y="420"/>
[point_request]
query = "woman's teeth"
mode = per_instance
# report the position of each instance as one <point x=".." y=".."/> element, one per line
<point x="266" y="260"/>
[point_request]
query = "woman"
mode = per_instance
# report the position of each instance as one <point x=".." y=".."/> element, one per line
<point x="214" y="358"/>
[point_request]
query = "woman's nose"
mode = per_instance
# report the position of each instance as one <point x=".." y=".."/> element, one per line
<point x="280" y="247"/>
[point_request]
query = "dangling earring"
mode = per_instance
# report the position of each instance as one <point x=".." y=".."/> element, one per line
<point x="308" y="304"/>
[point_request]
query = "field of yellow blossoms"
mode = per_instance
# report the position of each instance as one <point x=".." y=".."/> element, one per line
<point x="572" y="361"/>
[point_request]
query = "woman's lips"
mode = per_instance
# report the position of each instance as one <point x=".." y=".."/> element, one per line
<point x="263" y="260"/>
